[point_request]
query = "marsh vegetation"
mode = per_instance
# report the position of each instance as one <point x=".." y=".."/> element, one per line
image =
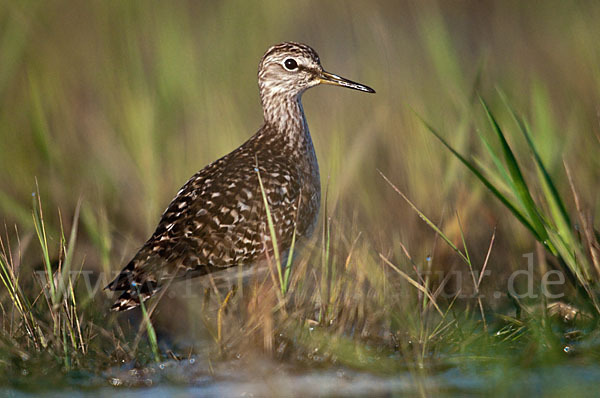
<point x="457" y="250"/>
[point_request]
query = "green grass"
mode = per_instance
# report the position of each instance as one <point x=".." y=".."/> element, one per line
<point x="107" y="108"/>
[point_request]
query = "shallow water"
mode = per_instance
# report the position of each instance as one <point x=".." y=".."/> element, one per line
<point x="199" y="377"/>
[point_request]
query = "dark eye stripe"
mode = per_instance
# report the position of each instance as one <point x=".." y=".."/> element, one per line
<point x="313" y="71"/>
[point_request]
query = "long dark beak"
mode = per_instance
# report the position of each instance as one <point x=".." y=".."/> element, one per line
<point x="330" y="78"/>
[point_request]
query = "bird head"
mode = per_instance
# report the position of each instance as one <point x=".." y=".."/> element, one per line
<point x="288" y="69"/>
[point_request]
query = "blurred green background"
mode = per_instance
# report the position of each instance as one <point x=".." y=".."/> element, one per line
<point x="118" y="103"/>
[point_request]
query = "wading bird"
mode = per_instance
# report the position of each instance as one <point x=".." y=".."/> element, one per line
<point x="218" y="218"/>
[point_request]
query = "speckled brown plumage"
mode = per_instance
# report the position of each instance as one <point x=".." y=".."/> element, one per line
<point x="218" y="218"/>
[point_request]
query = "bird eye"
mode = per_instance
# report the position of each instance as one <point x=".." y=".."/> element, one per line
<point x="290" y="64"/>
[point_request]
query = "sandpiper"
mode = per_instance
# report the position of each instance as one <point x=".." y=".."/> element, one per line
<point x="218" y="218"/>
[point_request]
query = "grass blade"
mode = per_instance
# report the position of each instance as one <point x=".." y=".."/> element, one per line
<point x="506" y="201"/>
<point x="521" y="189"/>
<point x="410" y="280"/>
<point x="271" y="229"/>
<point x="426" y="219"/>
<point x="40" y="229"/>
<point x="149" y="328"/>
<point x="538" y="160"/>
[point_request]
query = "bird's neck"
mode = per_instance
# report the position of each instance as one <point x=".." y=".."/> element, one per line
<point x="284" y="116"/>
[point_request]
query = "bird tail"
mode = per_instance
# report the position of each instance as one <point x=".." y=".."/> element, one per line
<point x="133" y="289"/>
<point x="129" y="300"/>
